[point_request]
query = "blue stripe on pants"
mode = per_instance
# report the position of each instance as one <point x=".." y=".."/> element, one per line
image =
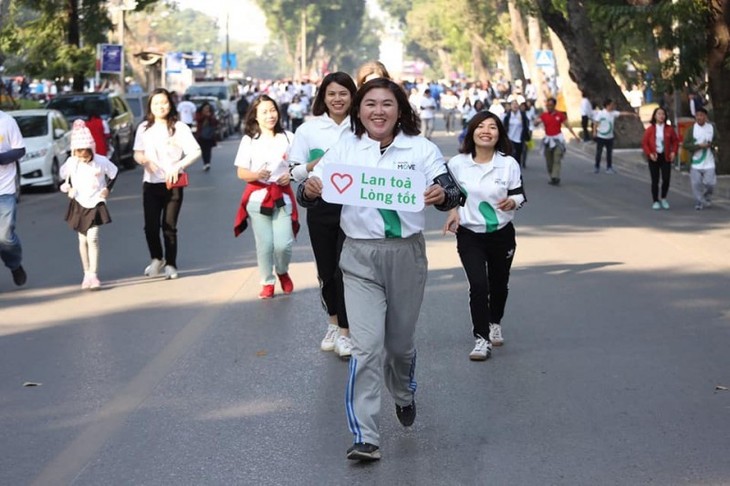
<point x="349" y="393"/>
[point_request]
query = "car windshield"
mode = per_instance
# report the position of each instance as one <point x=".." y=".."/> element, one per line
<point x="81" y="106"/>
<point x="32" y="126"/>
<point x="219" y="92"/>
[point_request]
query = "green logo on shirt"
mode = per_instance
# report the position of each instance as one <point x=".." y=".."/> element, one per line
<point x="490" y="216"/>
<point x="315" y="154"/>
<point x="392" y="223"/>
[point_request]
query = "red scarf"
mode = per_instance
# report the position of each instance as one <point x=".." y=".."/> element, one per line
<point x="274" y="199"/>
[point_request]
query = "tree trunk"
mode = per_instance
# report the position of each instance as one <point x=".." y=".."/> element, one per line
<point x="587" y="68"/>
<point x="571" y="93"/>
<point x="514" y="64"/>
<point x="518" y="39"/>
<point x="74" y="39"/>
<point x="718" y="70"/>
<point x="480" y="71"/>
<point x="536" y="75"/>
<point x="4" y="9"/>
<point x="445" y="61"/>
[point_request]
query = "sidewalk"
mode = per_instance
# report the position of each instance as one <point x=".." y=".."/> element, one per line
<point x="632" y="161"/>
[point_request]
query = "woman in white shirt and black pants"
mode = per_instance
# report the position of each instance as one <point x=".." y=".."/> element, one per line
<point x="485" y="236"/>
<point x="164" y="146"/>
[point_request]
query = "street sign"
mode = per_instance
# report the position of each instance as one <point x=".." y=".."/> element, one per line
<point x="195" y="59"/>
<point x="111" y="58"/>
<point x="544" y="58"/>
<point x="230" y="61"/>
<point x="174" y="62"/>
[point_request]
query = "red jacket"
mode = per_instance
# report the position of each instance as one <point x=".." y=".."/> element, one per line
<point x="96" y="127"/>
<point x="274" y="199"/>
<point x="671" y="142"/>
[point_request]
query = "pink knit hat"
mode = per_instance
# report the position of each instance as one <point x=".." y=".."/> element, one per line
<point x="81" y="137"/>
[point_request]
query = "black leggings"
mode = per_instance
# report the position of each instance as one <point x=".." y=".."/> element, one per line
<point x="661" y="166"/>
<point x="327" y="238"/>
<point x="487" y="259"/>
<point x="161" y="210"/>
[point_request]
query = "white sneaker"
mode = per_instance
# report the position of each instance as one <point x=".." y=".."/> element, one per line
<point x="154" y="268"/>
<point x="482" y="350"/>
<point x="94" y="283"/>
<point x="343" y="346"/>
<point x="170" y="272"/>
<point x="328" y="343"/>
<point x="495" y="334"/>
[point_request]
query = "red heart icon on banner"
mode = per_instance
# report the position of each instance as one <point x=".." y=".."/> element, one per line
<point x="342" y="182"/>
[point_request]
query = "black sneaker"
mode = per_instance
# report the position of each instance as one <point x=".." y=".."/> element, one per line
<point x="362" y="451"/>
<point x="406" y="415"/>
<point x="19" y="276"/>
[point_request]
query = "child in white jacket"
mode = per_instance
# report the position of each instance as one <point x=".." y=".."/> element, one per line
<point x="88" y="179"/>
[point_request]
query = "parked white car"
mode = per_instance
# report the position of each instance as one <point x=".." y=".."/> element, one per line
<point x="47" y="146"/>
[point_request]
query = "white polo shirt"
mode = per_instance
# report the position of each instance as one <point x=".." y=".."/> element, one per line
<point x="314" y="137"/>
<point x="10" y="138"/>
<point x="256" y="154"/>
<point x="604" y="123"/>
<point x="486" y="185"/>
<point x="163" y="149"/>
<point x="703" y="159"/>
<point x="405" y="153"/>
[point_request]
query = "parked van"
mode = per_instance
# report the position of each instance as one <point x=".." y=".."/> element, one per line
<point x="228" y="94"/>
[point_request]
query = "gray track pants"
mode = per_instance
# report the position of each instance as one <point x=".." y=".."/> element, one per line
<point x="384" y="284"/>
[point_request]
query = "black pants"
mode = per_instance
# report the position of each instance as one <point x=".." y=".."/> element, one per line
<point x="661" y="166"/>
<point x="600" y="143"/>
<point x="327" y="238"/>
<point x="206" y="147"/>
<point x="517" y="148"/>
<point x="487" y="259"/>
<point x="584" y="125"/>
<point x="296" y="123"/>
<point x="161" y="210"/>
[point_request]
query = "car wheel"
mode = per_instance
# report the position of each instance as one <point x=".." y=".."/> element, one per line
<point x="129" y="162"/>
<point x="55" y="176"/>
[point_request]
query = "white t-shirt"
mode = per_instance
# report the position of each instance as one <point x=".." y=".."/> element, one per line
<point x="427" y="108"/>
<point x="186" y="110"/>
<point x="89" y="179"/>
<point x="514" y="130"/>
<point x="405" y="153"/>
<point x="486" y="185"/>
<point x="256" y="154"/>
<point x="659" y="139"/>
<point x="449" y="101"/>
<point x="703" y="159"/>
<point x="586" y="109"/>
<point x="163" y="149"/>
<point x="313" y="139"/>
<point x="604" y="123"/>
<point x="497" y="109"/>
<point x="10" y="138"/>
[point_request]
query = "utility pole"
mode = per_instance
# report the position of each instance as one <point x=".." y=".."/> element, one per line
<point x="228" y="53"/>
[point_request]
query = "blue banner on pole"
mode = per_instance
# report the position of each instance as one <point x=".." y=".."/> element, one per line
<point x="174" y="62"/>
<point x="195" y="60"/>
<point x="111" y="58"/>
<point x="230" y="61"/>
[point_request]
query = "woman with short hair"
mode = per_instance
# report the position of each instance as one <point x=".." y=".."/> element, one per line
<point x="383" y="258"/>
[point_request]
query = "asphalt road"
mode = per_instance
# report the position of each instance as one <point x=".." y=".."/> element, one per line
<point x="617" y="335"/>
